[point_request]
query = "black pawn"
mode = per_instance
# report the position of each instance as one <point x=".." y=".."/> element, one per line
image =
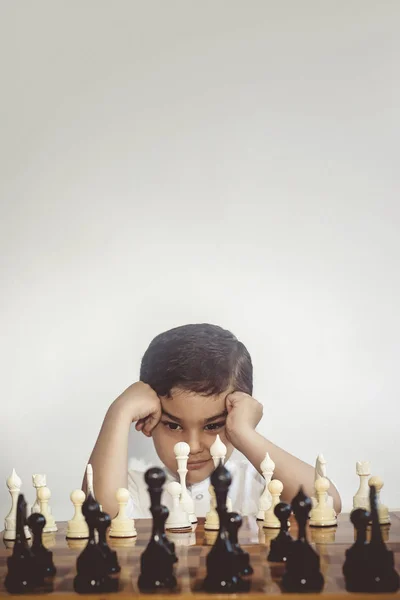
<point x="356" y="556"/>
<point x="91" y="574"/>
<point x="42" y="558"/>
<point x="222" y="567"/>
<point x="243" y="558"/>
<point x="281" y="546"/>
<point x="20" y="575"/>
<point x="162" y="513"/>
<point x="157" y="561"/>
<point x="110" y="556"/>
<point x="302" y="566"/>
<point x="369" y="568"/>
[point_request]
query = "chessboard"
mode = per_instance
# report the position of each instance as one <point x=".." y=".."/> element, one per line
<point x="192" y="549"/>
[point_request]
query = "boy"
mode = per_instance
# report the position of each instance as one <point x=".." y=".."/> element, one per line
<point x="196" y="381"/>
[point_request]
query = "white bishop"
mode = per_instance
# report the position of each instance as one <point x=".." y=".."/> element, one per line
<point x="267" y="468"/>
<point x="218" y="453"/>
<point x="10" y="523"/>
<point x="182" y="451"/>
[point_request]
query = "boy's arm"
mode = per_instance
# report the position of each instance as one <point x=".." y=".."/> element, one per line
<point x="109" y="457"/>
<point x="244" y="413"/>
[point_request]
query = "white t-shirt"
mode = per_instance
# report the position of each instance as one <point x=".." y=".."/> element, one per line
<point x="245" y="491"/>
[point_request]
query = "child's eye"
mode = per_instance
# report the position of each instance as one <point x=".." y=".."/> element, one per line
<point x="171" y="425"/>
<point x="214" y="426"/>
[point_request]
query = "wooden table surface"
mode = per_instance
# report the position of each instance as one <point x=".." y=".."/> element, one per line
<point x="192" y="550"/>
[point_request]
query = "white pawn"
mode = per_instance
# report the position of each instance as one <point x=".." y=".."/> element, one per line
<point x="212" y="518"/>
<point x="322" y="515"/>
<point x="77" y="527"/>
<point x="38" y="481"/>
<point x="182" y="451"/>
<point x="44" y="496"/>
<point x="361" y="498"/>
<point x="271" y="521"/>
<point x="10" y="523"/>
<point x="122" y="526"/>
<point x="320" y="471"/>
<point x="178" y="518"/>
<point x="267" y="468"/>
<point x="383" y="511"/>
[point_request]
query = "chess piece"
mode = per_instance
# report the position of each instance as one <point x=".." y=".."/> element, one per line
<point x="302" y="572"/>
<point x="222" y="564"/>
<point x="178" y="519"/>
<point x="122" y="526"/>
<point x="43" y="566"/>
<point x="234" y="522"/>
<point x="182" y="539"/>
<point x="39" y="481"/>
<point x="356" y="556"/>
<point x="320" y="471"/>
<point x="281" y="545"/>
<point x="383" y="511"/>
<point x="271" y="521"/>
<point x="44" y="496"/>
<point x="323" y="535"/>
<point x="162" y="513"/>
<point x="212" y="521"/>
<point x="89" y="480"/>
<point x="210" y="536"/>
<point x="218" y="451"/>
<point x="157" y="560"/>
<point x="361" y="497"/>
<point x="369" y="568"/>
<point x="10" y="523"/>
<point x="218" y="454"/>
<point x="77" y="527"/>
<point x="182" y="451"/>
<point x="92" y="574"/>
<point x="322" y="515"/>
<point x="382" y="576"/>
<point x="20" y="576"/>
<point x="267" y="469"/>
<point x="103" y="522"/>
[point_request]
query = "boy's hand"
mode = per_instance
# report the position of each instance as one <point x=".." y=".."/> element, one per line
<point x="144" y="406"/>
<point x="244" y="414"/>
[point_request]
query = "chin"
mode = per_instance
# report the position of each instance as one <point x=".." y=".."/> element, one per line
<point x="198" y="475"/>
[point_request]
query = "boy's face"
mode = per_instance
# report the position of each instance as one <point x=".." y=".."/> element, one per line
<point x="194" y="419"/>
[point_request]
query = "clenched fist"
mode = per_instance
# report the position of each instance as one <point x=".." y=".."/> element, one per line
<point x="244" y="414"/>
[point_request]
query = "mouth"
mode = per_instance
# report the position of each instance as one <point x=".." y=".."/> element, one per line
<point x="199" y="464"/>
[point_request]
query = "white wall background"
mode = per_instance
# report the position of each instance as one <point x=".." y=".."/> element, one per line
<point x="171" y="162"/>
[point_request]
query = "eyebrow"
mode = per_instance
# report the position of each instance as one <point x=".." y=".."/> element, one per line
<point x="221" y="415"/>
<point x="167" y="414"/>
<point x="178" y="420"/>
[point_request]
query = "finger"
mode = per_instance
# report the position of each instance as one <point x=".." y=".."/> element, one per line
<point x="230" y="401"/>
<point x="153" y="420"/>
<point x="139" y="425"/>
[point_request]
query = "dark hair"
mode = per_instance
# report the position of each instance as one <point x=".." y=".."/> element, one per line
<point x="200" y="358"/>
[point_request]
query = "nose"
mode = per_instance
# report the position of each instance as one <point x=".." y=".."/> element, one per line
<point x="195" y="443"/>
